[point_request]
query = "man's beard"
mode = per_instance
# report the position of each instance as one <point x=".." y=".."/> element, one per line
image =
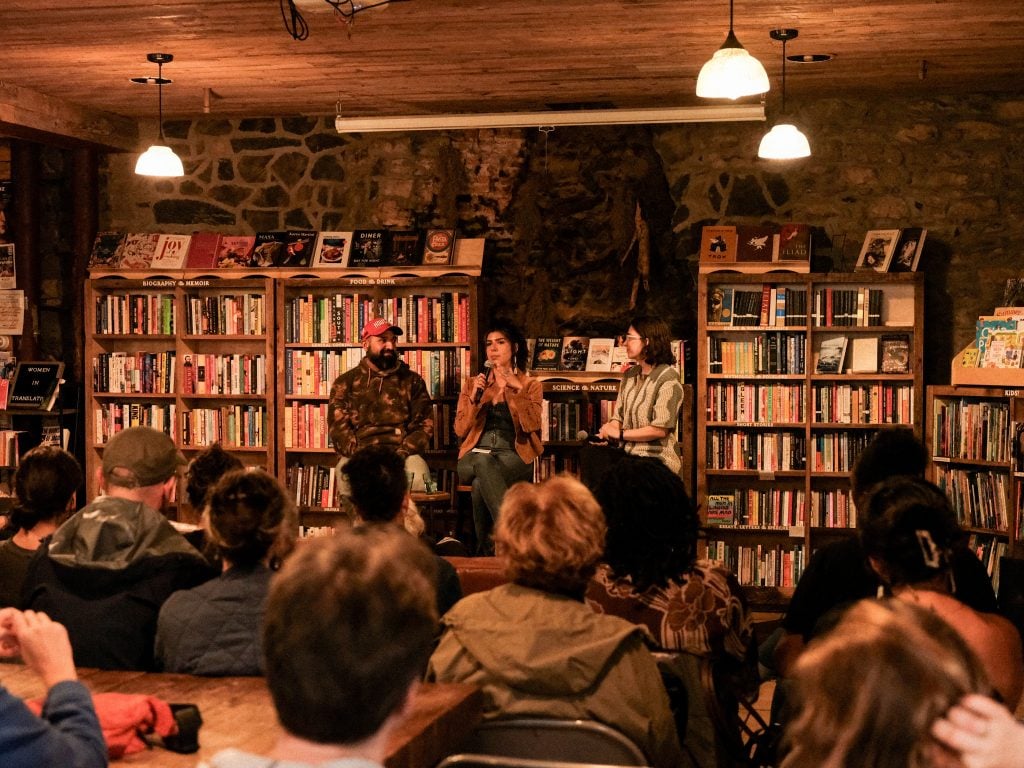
<point x="385" y="359"/>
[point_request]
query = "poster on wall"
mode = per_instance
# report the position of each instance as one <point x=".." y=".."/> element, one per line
<point x="12" y="313"/>
<point x="6" y="192"/>
<point x="8" y="280"/>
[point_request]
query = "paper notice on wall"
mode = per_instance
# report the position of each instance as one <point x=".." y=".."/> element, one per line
<point x="12" y="313"/>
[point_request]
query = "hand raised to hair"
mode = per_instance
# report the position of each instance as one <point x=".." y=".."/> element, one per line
<point x="983" y="732"/>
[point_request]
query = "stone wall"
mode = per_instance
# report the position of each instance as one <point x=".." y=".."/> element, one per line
<point x="558" y="208"/>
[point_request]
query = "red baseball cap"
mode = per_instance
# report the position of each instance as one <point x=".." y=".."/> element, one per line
<point x="378" y="326"/>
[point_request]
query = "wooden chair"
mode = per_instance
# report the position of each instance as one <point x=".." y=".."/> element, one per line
<point x="568" y="741"/>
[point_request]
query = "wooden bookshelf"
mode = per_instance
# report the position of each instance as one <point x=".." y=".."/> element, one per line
<point x="776" y="439"/>
<point x="190" y="356"/>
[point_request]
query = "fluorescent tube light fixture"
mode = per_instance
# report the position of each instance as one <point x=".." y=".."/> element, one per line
<point x="702" y="114"/>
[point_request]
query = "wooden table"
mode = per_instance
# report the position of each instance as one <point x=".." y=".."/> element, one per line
<point x="238" y="712"/>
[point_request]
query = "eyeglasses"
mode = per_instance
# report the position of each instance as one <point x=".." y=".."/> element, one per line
<point x="632" y="337"/>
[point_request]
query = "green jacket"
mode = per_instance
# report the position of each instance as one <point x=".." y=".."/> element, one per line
<point x="537" y="654"/>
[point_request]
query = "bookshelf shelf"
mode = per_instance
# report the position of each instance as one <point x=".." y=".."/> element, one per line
<point x="791" y="461"/>
<point x="160" y="315"/>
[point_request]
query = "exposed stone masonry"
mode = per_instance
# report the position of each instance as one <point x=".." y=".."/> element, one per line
<point x="557" y="209"/>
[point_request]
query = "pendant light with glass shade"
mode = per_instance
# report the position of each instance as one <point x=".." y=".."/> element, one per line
<point x="784" y="141"/>
<point x="731" y="72"/>
<point x="159" y="159"/>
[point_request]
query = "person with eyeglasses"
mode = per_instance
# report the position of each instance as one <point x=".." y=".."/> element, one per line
<point x="646" y="410"/>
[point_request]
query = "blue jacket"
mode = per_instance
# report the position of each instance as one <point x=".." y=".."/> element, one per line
<point x="68" y="734"/>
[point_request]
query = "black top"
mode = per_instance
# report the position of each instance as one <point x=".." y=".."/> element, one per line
<point x="839" y="574"/>
<point x="499" y="419"/>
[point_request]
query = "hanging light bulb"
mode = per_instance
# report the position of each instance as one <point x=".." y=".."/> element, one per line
<point x="784" y="141"/>
<point x="731" y="72"/>
<point x="159" y="159"/>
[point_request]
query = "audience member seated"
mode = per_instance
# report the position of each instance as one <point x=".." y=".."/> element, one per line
<point x="108" y="569"/>
<point x="535" y="648"/>
<point x="214" y="629"/>
<point x="350" y="622"/>
<point x="651" y="577"/>
<point x="68" y="733"/>
<point x="868" y="692"/>
<point x="909" y="537"/>
<point x="838" y="573"/>
<point x="379" y="490"/>
<point x="45" y="487"/>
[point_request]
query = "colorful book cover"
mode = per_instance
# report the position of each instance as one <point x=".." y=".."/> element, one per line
<point x="297" y="250"/>
<point x="547" y="353"/>
<point x="795" y="243"/>
<point x="895" y="353"/>
<point x="1003" y="350"/>
<point x="718" y="245"/>
<point x="721" y="509"/>
<point x="105" y="250"/>
<point x="367" y="248"/>
<point x="332" y="249"/>
<point x="985" y="326"/>
<point x="574" y="353"/>
<point x="620" y="360"/>
<point x="404" y="247"/>
<point x="171" y="251"/>
<point x="756" y="243"/>
<point x="439" y="246"/>
<point x="831" y="355"/>
<point x="234" y="251"/>
<point x="268" y="250"/>
<point x="136" y="251"/>
<point x="202" y="251"/>
<point x="599" y="354"/>
<point x="877" y="250"/>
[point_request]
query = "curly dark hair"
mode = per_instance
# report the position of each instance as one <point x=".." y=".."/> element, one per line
<point x="658" y="337"/>
<point x="652" y="523"/>
<point x="911" y="528"/>
<point x="47" y="478"/>
<point x="251" y="516"/>
<point x="208" y="466"/>
<point x="515" y="338"/>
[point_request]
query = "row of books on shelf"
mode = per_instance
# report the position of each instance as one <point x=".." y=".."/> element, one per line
<point x="226" y="315"/>
<point x="833" y="508"/>
<point x="110" y="418"/>
<point x="990" y="550"/>
<point x="585" y="353"/>
<point x="134" y="372"/>
<point x="339" y="319"/>
<point x="868" y="403"/>
<point x="979" y="497"/>
<point x="971" y="430"/>
<point x="888" y="353"/>
<point x="774" y="353"/>
<point x="755" y="402"/>
<point x="781" y="508"/>
<point x="837" y="451"/>
<point x="741" y="449"/>
<point x="998" y="340"/>
<point x="135" y="314"/>
<point x="761" y="565"/>
<point x="313" y="486"/>
<point x="292" y="248"/>
<point x="548" y="465"/>
<point x="9" y="452"/>
<point x="236" y="374"/>
<point x="563" y="421"/>
<point x="768" y="306"/>
<point x="233" y="426"/>
<point x="733" y="246"/>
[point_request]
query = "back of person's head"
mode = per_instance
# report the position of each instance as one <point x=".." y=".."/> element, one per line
<point x="658" y="339"/>
<point x="892" y="452"/>
<point x="868" y="691"/>
<point x="140" y="457"/>
<point x="45" y="482"/>
<point x="378" y="483"/>
<point x="208" y="466"/>
<point x="910" y="528"/>
<point x="652" y="524"/>
<point x="349" y="625"/>
<point x="550" y="536"/>
<point x="250" y="518"/>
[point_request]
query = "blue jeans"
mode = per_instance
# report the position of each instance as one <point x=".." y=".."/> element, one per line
<point x="491" y="474"/>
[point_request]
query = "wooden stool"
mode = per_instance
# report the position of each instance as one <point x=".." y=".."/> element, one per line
<point x="430" y="505"/>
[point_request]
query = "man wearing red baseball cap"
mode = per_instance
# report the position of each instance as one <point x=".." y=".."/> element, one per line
<point x="382" y="402"/>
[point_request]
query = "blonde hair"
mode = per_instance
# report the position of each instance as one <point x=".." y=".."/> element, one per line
<point x="868" y="691"/>
<point x="550" y="536"/>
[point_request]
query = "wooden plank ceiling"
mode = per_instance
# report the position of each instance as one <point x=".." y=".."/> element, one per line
<point x="441" y="56"/>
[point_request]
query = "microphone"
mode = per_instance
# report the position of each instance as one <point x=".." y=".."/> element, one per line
<point x="487" y="375"/>
<point x="585" y="437"/>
